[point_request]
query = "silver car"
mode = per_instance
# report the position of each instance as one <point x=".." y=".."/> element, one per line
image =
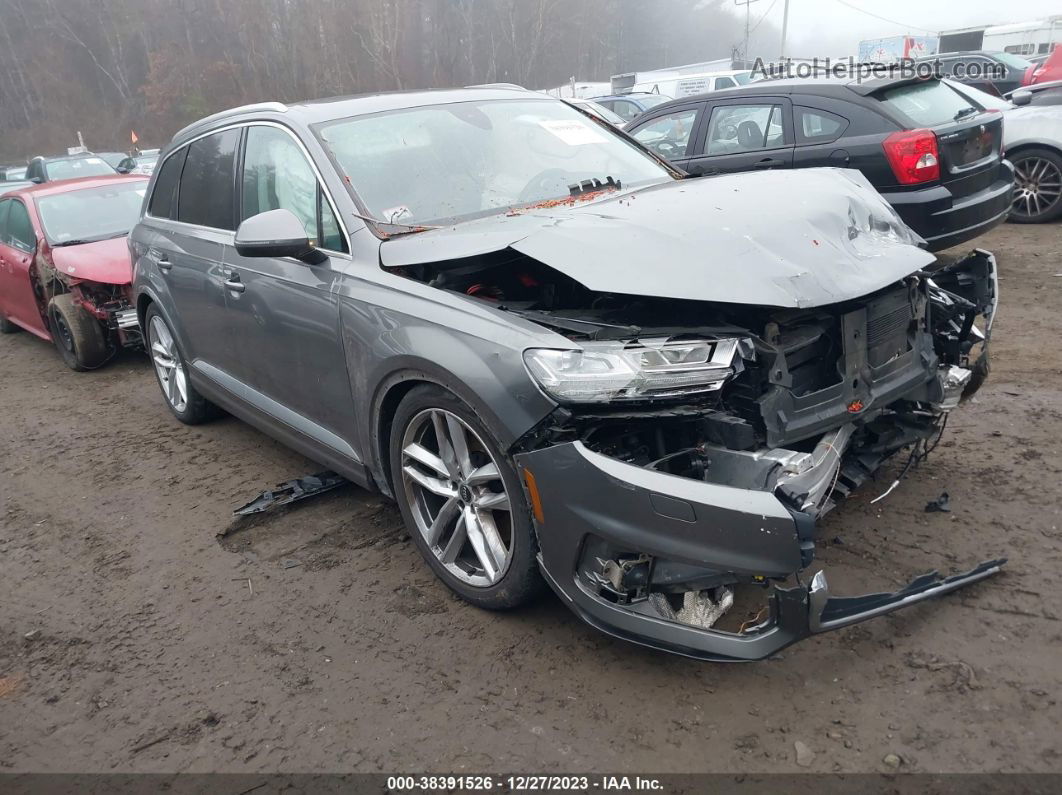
<point x="564" y="361"/>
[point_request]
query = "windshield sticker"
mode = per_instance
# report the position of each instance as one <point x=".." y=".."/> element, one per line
<point x="573" y="133"/>
<point x="394" y="215"/>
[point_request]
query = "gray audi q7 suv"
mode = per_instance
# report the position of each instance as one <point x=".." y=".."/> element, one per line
<point x="565" y="362"/>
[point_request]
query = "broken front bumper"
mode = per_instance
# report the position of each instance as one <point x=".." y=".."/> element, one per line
<point x="589" y="501"/>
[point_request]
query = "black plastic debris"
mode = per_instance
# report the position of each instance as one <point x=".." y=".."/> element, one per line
<point x="939" y="505"/>
<point x="292" y="491"/>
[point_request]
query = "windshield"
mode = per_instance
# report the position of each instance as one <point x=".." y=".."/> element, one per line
<point x="600" y="111"/>
<point x="652" y="100"/>
<point x="92" y="213"/>
<point x="744" y="78"/>
<point x="453" y="162"/>
<point x="1015" y="61"/>
<point x="13" y="174"/>
<point x="78" y="167"/>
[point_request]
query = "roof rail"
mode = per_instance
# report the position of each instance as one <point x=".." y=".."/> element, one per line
<point x="509" y="86"/>
<point x="272" y="107"/>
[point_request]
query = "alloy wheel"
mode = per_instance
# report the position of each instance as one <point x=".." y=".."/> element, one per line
<point x="1038" y="186"/>
<point x="457" y="497"/>
<point x="167" y="362"/>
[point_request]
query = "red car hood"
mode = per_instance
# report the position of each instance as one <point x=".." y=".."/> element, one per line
<point x="105" y="261"/>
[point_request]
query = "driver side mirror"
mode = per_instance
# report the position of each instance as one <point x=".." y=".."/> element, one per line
<point x="1021" y="97"/>
<point x="276" y="233"/>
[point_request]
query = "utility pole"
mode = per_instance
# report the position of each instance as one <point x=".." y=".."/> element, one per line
<point x="745" y="52"/>
<point x="785" y="27"/>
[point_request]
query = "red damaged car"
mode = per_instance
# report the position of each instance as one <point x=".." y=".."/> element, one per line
<point x="65" y="272"/>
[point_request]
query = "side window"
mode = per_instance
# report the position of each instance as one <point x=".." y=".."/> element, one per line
<point x="20" y="232"/>
<point x="205" y="196"/>
<point x="668" y="135"/>
<point x="276" y="175"/>
<point x="5" y="206"/>
<point x="724" y="82"/>
<point x="744" y="128"/>
<point x="163" y="203"/>
<point x="818" y="126"/>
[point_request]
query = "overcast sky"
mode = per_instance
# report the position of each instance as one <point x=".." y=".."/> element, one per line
<point x="829" y="27"/>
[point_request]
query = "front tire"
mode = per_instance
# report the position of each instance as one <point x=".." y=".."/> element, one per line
<point x="462" y="501"/>
<point x="77" y="335"/>
<point x="171" y="371"/>
<point x="1037" y="186"/>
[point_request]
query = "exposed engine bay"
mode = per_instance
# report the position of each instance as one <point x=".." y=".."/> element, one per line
<point x="806" y="403"/>
<point x="110" y="304"/>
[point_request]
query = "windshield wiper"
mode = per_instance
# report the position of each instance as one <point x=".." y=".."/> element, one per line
<point x="76" y="242"/>
<point x="962" y="114"/>
<point x="593" y="185"/>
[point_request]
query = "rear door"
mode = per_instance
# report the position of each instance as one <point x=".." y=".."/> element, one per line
<point x="283" y="314"/>
<point x="969" y="139"/>
<point x="744" y="134"/>
<point x="671" y="134"/>
<point x="18" y="246"/>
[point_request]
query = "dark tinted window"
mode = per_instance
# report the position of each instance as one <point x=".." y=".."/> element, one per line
<point x="817" y="126"/>
<point x="20" y="232"/>
<point x="5" y="205"/>
<point x="164" y="198"/>
<point x="206" y="193"/>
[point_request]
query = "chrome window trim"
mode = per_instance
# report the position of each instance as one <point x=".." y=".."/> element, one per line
<point x="306" y="153"/>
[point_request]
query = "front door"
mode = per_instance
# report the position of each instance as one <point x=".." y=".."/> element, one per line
<point x="18" y="246"/>
<point x="283" y="314"/>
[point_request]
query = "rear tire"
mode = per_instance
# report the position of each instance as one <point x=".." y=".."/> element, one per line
<point x="1037" y="186"/>
<point x="171" y="372"/>
<point x="77" y="335"/>
<point x="494" y="565"/>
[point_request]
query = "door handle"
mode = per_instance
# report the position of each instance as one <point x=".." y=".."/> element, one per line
<point x="235" y="284"/>
<point x="164" y="264"/>
<point x="769" y="162"/>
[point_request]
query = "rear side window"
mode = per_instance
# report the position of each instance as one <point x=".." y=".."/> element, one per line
<point x="926" y="104"/>
<point x="20" y="232"/>
<point x="206" y="195"/>
<point x="815" y="126"/>
<point x="163" y="202"/>
<point x="5" y="206"/>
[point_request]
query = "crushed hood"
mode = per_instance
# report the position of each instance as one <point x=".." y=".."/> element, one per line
<point x="104" y="261"/>
<point x="797" y="238"/>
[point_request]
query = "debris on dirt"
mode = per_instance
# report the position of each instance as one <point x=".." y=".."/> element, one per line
<point x="290" y="563"/>
<point x="892" y="760"/>
<point x="963" y="677"/>
<point x="939" y="505"/>
<point x="8" y="684"/>
<point x="292" y="491"/>
<point x="33" y="634"/>
<point x="804" y="755"/>
<point x="143" y="746"/>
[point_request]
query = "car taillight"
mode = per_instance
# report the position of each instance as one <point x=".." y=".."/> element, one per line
<point x="1030" y="73"/>
<point x="913" y="155"/>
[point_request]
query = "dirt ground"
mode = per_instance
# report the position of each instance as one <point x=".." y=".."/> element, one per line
<point x="133" y="639"/>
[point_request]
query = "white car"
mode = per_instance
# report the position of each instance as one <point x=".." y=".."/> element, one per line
<point x="1032" y="141"/>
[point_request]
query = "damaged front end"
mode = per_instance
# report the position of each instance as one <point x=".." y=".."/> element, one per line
<point x="696" y="445"/>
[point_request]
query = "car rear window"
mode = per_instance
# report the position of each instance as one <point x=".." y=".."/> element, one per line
<point x="927" y="104"/>
<point x="81" y="167"/>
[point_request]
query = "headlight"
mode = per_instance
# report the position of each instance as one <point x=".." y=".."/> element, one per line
<point x="607" y="371"/>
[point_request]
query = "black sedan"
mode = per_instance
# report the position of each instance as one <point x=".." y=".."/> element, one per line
<point x="934" y="154"/>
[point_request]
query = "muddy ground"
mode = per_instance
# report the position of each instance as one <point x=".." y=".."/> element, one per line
<point x="133" y="639"/>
